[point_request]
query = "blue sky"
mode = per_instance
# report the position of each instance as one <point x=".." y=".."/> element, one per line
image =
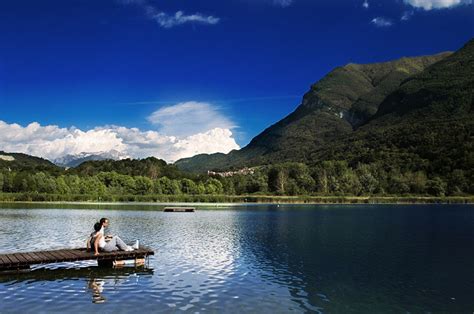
<point x="245" y="63"/>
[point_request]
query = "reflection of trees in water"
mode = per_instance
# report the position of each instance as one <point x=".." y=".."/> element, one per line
<point x="278" y="241"/>
<point x="366" y="259"/>
<point x="96" y="277"/>
<point x="321" y="256"/>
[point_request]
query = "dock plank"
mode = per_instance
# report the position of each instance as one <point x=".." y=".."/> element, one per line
<point x="25" y="259"/>
<point x="48" y="257"/>
<point x="33" y="257"/>
<point x="74" y="254"/>
<point x="20" y="258"/>
<point x="13" y="259"/>
<point x="56" y="257"/>
<point x="4" y="260"/>
<point x="62" y="255"/>
<point x="40" y="257"/>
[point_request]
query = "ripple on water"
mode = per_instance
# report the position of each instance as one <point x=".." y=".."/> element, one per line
<point x="242" y="261"/>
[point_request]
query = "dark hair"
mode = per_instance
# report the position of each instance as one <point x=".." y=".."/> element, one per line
<point x="102" y="220"/>
<point x="97" y="226"/>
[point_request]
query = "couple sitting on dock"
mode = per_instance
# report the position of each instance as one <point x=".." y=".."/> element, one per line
<point x="98" y="241"/>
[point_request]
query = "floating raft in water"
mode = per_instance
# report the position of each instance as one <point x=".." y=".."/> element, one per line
<point x="16" y="261"/>
<point x="179" y="209"/>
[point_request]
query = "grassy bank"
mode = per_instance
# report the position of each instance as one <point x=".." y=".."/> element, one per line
<point x="267" y="199"/>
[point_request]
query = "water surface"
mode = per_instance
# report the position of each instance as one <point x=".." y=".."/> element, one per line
<point x="292" y="258"/>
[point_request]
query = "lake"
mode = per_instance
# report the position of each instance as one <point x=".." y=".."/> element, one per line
<point x="257" y="259"/>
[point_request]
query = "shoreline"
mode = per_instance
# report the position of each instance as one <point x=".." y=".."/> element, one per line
<point x="249" y="200"/>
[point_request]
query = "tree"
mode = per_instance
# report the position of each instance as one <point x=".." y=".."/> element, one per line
<point x="368" y="182"/>
<point x="256" y="183"/>
<point x="61" y="185"/>
<point x="8" y="178"/>
<point x="143" y="185"/>
<point x="213" y="186"/>
<point x="44" y="183"/>
<point x="228" y="186"/>
<point x="92" y="186"/>
<point x="188" y="186"/>
<point x="458" y="183"/>
<point x="74" y="183"/>
<point x="277" y="178"/>
<point x="301" y="175"/>
<point x="239" y="184"/>
<point x="436" y="187"/>
<point x="169" y="186"/>
<point x="20" y="182"/>
<point x="157" y="188"/>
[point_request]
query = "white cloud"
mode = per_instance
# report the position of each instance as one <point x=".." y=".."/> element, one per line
<point x="406" y="15"/>
<point x="381" y="22"/>
<point x="436" y="4"/>
<point x="52" y="142"/>
<point x="141" y="144"/>
<point x="167" y="20"/>
<point x="212" y="141"/>
<point x="187" y="118"/>
<point x="365" y="4"/>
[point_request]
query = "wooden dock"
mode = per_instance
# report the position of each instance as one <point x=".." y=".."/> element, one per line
<point x="17" y="261"/>
<point x="179" y="209"/>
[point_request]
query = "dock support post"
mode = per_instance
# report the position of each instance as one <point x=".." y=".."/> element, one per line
<point x="108" y="263"/>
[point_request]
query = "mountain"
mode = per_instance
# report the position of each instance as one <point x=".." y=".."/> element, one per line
<point x="69" y="161"/>
<point x="23" y="162"/>
<point x="426" y="124"/>
<point x="334" y="107"/>
<point x="149" y="167"/>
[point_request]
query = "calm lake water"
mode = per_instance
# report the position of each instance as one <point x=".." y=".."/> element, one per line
<point x="257" y="259"/>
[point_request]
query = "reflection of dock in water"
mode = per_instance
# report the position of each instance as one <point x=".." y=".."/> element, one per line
<point x="96" y="277"/>
<point x="179" y="209"/>
<point x="46" y="274"/>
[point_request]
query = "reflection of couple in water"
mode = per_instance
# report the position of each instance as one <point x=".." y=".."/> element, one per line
<point x="97" y="287"/>
<point x="98" y="241"/>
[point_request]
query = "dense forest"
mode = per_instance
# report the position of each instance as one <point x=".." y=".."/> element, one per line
<point x="121" y="180"/>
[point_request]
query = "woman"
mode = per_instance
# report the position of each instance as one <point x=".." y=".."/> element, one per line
<point x="114" y="244"/>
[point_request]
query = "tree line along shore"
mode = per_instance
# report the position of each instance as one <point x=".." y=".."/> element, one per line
<point x="328" y="179"/>
<point x="234" y="199"/>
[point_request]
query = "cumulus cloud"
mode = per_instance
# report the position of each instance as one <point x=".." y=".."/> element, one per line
<point x="381" y="22"/>
<point x="436" y="4"/>
<point x="212" y="141"/>
<point x="167" y="20"/>
<point x="141" y="144"/>
<point x="187" y="118"/>
<point x="365" y="4"/>
<point x="52" y="142"/>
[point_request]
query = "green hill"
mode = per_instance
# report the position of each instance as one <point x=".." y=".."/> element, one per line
<point x="150" y="167"/>
<point x="335" y="106"/>
<point x="23" y="162"/>
<point x="426" y="124"/>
